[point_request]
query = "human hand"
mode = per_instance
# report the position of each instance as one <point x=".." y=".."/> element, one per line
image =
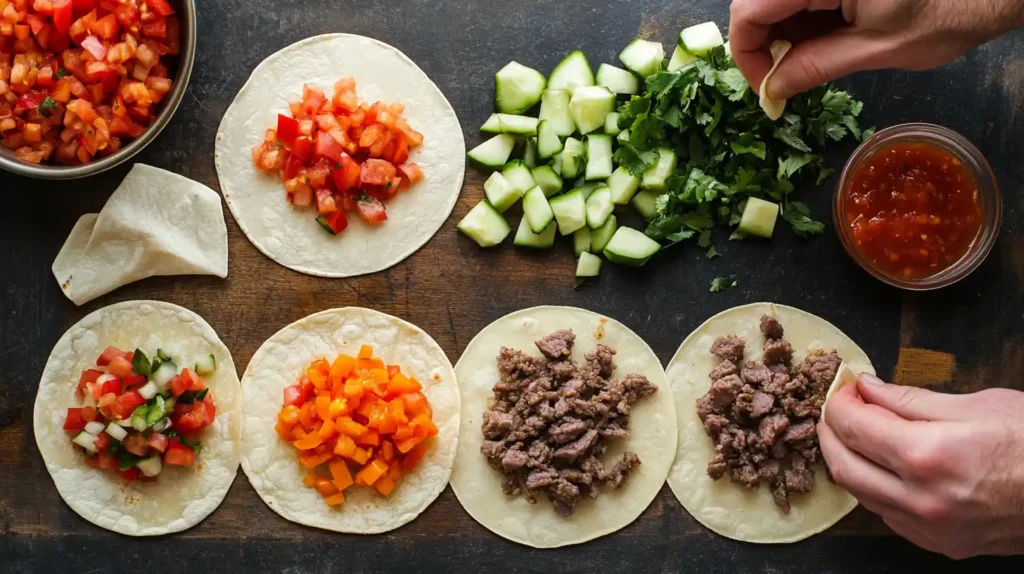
<point x="833" y="38"/>
<point x="944" y="471"/>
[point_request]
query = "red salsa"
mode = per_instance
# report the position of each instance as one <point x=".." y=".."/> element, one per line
<point x="913" y="210"/>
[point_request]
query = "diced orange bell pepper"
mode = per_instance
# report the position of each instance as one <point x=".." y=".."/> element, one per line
<point x="371" y="438"/>
<point x="422" y="421"/>
<point x="380" y="376"/>
<point x="289" y="415"/>
<point x="384" y="485"/>
<point x="393" y="370"/>
<point x="354" y="389"/>
<point x="388" y="425"/>
<point x="404" y="432"/>
<point x="325" y="486"/>
<point x="415" y="403"/>
<point x="373" y="471"/>
<point x="400" y="385"/>
<point x="310" y="441"/>
<point x="370" y="363"/>
<point x="309" y="480"/>
<point x="373" y="409"/>
<point x="360" y="456"/>
<point x="311" y="461"/>
<point x="406" y="445"/>
<point x="327" y="429"/>
<point x="365" y="352"/>
<point x="387" y="450"/>
<point x="306" y="416"/>
<point x="284" y="429"/>
<point x="336" y="499"/>
<point x="298" y="432"/>
<point x="413" y="457"/>
<point x="340" y="474"/>
<point x="341" y="368"/>
<point x="338" y="407"/>
<point x="396" y="410"/>
<point x="345" y="446"/>
<point x="395" y="470"/>
<point x="323" y="407"/>
<point x="347" y="426"/>
<point x="318" y="373"/>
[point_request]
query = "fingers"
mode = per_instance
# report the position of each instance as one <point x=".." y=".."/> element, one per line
<point x="826" y="58"/>
<point x="875" y="487"/>
<point x="911" y="403"/>
<point x="872" y="431"/>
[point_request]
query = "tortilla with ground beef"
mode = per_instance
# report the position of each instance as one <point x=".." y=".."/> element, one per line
<point x="651" y="430"/>
<point x="730" y="509"/>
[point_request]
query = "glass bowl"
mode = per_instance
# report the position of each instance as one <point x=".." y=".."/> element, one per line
<point x="988" y="190"/>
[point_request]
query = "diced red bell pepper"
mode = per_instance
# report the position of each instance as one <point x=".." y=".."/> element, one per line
<point x="287" y="129"/>
<point x="303" y="148"/>
<point x="133" y="381"/>
<point x="178" y="385"/>
<point x="112" y="385"/>
<point x="108" y="354"/>
<point x="74" y="420"/>
<point x="88" y="376"/>
<point x="62" y="14"/>
<point x="120" y="367"/>
<point x="126" y="404"/>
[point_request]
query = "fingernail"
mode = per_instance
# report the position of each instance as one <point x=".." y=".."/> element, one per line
<point x="870" y="379"/>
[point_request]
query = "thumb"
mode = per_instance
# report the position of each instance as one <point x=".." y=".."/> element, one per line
<point x="823" y="59"/>
<point x="911" y="403"/>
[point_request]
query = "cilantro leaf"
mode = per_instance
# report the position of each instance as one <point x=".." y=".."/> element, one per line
<point x="712" y="253"/>
<point x="636" y="161"/>
<point x="791" y="163"/>
<point x="61" y="72"/>
<point x="746" y="143"/>
<point x="732" y="84"/>
<point x="704" y="241"/>
<point x="719" y="284"/>
<point x="798" y="216"/>
<point x="792" y="137"/>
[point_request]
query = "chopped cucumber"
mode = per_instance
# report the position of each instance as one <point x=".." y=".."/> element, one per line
<point x="624" y="185"/>
<point x="493" y="152"/>
<point x="525" y="237"/>
<point x="519" y="176"/>
<point x="501" y="194"/>
<point x="611" y="124"/>
<point x="86" y="441"/>
<point x="160" y="354"/>
<point x="536" y="210"/>
<point x="590" y="106"/>
<point x="164" y="373"/>
<point x="589" y="265"/>
<point x="570" y="211"/>
<point x="759" y="218"/>
<point x="150" y="466"/>
<point x="623" y="137"/>
<point x="573" y="163"/>
<point x="157" y="411"/>
<point x="510" y="124"/>
<point x="554" y="108"/>
<point x="163" y="424"/>
<point x="484" y="225"/>
<point x="581" y="241"/>
<point x="94" y="428"/>
<point x="657" y="175"/>
<point x="630" y="247"/>
<point x="643" y="58"/>
<point x="571" y="73"/>
<point x="589" y="188"/>
<point x="701" y="39"/>
<point x="644" y="203"/>
<point x="116" y="432"/>
<point x="139" y="423"/>
<point x="599" y="157"/>
<point x="530" y="153"/>
<point x="548" y="142"/>
<point x="556" y="164"/>
<point x="617" y="80"/>
<point x="547" y="179"/>
<point x="680" y="59"/>
<point x="149" y="390"/>
<point x="600" y="237"/>
<point x="517" y="88"/>
<point x="599" y="207"/>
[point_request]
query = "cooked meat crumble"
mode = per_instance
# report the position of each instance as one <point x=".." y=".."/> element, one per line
<point x="551" y="418"/>
<point x="762" y="416"/>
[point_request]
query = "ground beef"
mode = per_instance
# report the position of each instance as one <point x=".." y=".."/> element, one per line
<point x="763" y="417"/>
<point x="551" y="418"/>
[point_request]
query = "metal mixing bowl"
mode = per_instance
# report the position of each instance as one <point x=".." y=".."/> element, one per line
<point x="186" y="12"/>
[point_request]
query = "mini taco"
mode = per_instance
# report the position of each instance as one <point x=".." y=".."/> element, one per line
<point x="340" y="157"/>
<point x="350" y="421"/>
<point x="137" y="418"/>
<point x="569" y="428"/>
<point x="750" y="386"/>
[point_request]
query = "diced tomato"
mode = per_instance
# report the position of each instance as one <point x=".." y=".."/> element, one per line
<point x="411" y="172"/>
<point x="158" y="442"/>
<point x="136" y="444"/>
<point x="124" y="127"/>
<point x="120" y="367"/>
<point x="337" y="221"/>
<point x="126" y="13"/>
<point x="106" y="27"/>
<point x="191" y="417"/>
<point x="312" y="99"/>
<point x="155" y="29"/>
<point x="126" y="404"/>
<point x="106" y="461"/>
<point x="325" y="201"/>
<point x="102" y="442"/>
<point x="287" y="129"/>
<point x="62" y="14"/>
<point x="194" y="381"/>
<point x="133" y="381"/>
<point x="108" y="354"/>
<point x="161" y="7"/>
<point x="377" y="172"/>
<point x="303" y="148"/>
<point x="178" y="385"/>
<point x="371" y="210"/>
<point x="346" y="174"/>
<point x="328" y="148"/>
<point x="179" y="454"/>
<point x="36" y="24"/>
<point x="113" y="385"/>
<point x="130" y="475"/>
<point x="294" y="396"/>
<point x="74" y="420"/>
<point x="400" y="153"/>
<point x="291" y="167"/>
<point x="318" y="174"/>
<point x="88" y="376"/>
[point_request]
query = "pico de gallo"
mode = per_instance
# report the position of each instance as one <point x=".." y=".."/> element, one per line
<point x="341" y="155"/>
<point x="356" y="421"/>
<point x="139" y="414"/>
<point x="80" y="78"/>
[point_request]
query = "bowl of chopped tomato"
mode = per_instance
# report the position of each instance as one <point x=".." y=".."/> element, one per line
<point x="918" y="207"/>
<point x="86" y="84"/>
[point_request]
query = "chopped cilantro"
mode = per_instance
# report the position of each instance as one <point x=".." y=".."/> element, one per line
<point x="798" y="216"/>
<point x="61" y="72"/>
<point x="722" y="283"/>
<point x="712" y="253"/>
<point x="47" y="106"/>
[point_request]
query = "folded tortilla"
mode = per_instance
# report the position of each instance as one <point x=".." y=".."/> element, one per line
<point x="155" y="223"/>
<point x="729" y="509"/>
<point x="289" y="235"/>
<point x="772" y="107"/>
<point x="652" y="431"/>
<point x="180" y="497"/>
<point x="272" y="464"/>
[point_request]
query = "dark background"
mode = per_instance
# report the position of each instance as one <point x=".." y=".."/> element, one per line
<point x="963" y="338"/>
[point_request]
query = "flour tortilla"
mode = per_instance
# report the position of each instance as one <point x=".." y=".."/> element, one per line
<point x="272" y="464"/>
<point x="289" y="235"/>
<point x="772" y="107"/>
<point x="729" y="509"/>
<point x="180" y="497"/>
<point x="652" y="431"/>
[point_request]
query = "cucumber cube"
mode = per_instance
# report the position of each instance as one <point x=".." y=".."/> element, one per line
<point x="500" y="193"/>
<point x="611" y="124"/>
<point x="645" y="203"/>
<point x="573" y="163"/>
<point x="759" y="217"/>
<point x="617" y="80"/>
<point x="657" y="175"/>
<point x="554" y="108"/>
<point x="570" y="211"/>
<point x="599" y="157"/>
<point x="571" y="73"/>
<point x="536" y="210"/>
<point x="589" y="265"/>
<point x="525" y="237"/>
<point x="680" y="59"/>
<point x="548" y="142"/>
<point x="643" y="58"/>
<point x="530" y="153"/>
<point x="581" y="241"/>
<point x="623" y="185"/>
<point x="630" y="247"/>
<point x="484" y="225"/>
<point x="701" y="39"/>
<point x="510" y="124"/>
<point x="590" y="106"/>
<point x="547" y="179"/>
<point x="599" y="207"/>
<point x="517" y="88"/>
<point x="493" y="152"/>
<point x="600" y="237"/>
<point x="519" y="176"/>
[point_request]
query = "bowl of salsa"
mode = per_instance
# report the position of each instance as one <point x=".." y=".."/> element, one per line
<point x="86" y="84"/>
<point x="918" y="207"/>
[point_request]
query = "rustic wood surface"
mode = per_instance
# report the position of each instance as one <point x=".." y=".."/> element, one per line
<point x="963" y="338"/>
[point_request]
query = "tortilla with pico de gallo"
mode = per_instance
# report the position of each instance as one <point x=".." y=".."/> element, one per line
<point x="339" y="157"/>
<point x="143" y="441"/>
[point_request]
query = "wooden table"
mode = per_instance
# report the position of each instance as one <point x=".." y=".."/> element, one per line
<point x="963" y="338"/>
